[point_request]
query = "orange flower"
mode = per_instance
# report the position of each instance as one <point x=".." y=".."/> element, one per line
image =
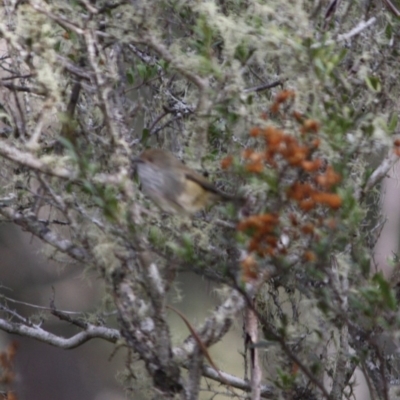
<point x="269" y="251"/>
<point x="272" y="240"/>
<point x="273" y="137"/>
<point x="310" y="256"/>
<point x="256" y="164"/>
<point x="331" y="200"/>
<point x="256" y="156"/>
<point x="312" y="166"/>
<point x="307" y="205"/>
<point x="274" y="108"/>
<point x="293" y="219"/>
<point x="329" y="178"/>
<point x="299" y="191"/>
<point x="269" y="218"/>
<point x="253" y="246"/>
<point x="255" y="131"/>
<point x="226" y="162"/>
<point x="255" y="167"/>
<point x="298" y="155"/>
<point x="246" y="154"/>
<point x="298" y="116"/>
<point x="315" y="143"/>
<point x="308" y="228"/>
<point x="282" y="96"/>
<point x="310" y="125"/>
<point x="249" y="268"/>
<point x="290" y="140"/>
<point x="269" y="159"/>
<point x="250" y="222"/>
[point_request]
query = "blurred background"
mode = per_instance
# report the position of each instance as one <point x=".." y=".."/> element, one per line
<point x="95" y="369"/>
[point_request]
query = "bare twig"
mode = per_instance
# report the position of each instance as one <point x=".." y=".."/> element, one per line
<point x="346" y="36"/>
<point x="27" y="159"/>
<point x="379" y="173"/>
<point x="29" y="222"/>
<point x="341" y="284"/>
<point x="17" y="88"/>
<point x="267" y="392"/>
<point x="262" y="87"/>
<point x="36" y="332"/>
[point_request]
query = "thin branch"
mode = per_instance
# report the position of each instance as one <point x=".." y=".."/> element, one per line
<point x="18" y="88"/>
<point x="285" y="346"/>
<point x="74" y="69"/>
<point x="29" y="222"/>
<point x="262" y="87"/>
<point x="267" y="392"/>
<point x="331" y="9"/>
<point x="8" y="78"/>
<point x="346" y="36"/>
<point x="36" y="332"/>
<point x="379" y="173"/>
<point x="392" y="7"/>
<point x="60" y="20"/>
<point x="28" y="160"/>
<point x="37" y="307"/>
<point x="342" y="288"/>
<point x="156" y="121"/>
<point x="251" y="332"/>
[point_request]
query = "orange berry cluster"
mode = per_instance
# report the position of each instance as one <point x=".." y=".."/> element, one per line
<point x="313" y="187"/>
<point x="263" y="228"/>
<point x="297" y="155"/>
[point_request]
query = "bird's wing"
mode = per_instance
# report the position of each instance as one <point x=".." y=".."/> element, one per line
<point x="203" y="182"/>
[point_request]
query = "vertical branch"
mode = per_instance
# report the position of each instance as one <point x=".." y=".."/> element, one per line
<point x="341" y="288"/>
<point x="103" y="88"/>
<point x="251" y="333"/>
<point x="144" y="327"/>
<point x="194" y="374"/>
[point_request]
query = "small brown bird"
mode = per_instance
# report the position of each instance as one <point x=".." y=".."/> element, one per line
<point x="173" y="186"/>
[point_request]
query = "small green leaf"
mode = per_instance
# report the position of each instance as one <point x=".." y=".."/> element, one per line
<point x="145" y="136"/>
<point x="373" y="83"/>
<point x="57" y="46"/>
<point x="386" y="292"/>
<point x="142" y="70"/>
<point x="389" y="31"/>
<point x="392" y="125"/>
<point x="130" y="77"/>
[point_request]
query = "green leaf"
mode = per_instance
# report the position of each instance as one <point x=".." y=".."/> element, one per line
<point x="389" y="31"/>
<point x="142" y="70"/>
<point x="373" y="83"/>
<point x="57" y="46"/>
<point x="130" y="76"/>
<point x="145" y="136"/>
<point x="392" y="125"/>
<point x="386" y="292"/>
